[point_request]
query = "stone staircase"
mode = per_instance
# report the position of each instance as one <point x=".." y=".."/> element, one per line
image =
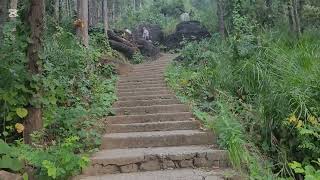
<point x="154" y="136"/>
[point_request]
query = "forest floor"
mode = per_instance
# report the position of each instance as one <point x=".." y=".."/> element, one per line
<point x="153" y="135"/>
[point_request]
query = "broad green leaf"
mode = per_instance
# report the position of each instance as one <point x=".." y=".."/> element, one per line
<point x="7" y="162"/>
<point x="22" y="112"/>
<point x="25" y="176"/>
<point x="51" y="169"/>
<point x="4" y="147"/>
<point x="309" y="170"/>
<point x="5" y="133"/>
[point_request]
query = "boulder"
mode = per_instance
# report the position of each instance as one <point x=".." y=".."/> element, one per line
<point x="155" y="31"/>
<point x="190" y="31"/>
<point x="147" y="48"/>
<point x="4" y="175"/>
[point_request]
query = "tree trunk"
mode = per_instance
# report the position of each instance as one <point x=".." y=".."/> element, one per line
<point x="105" y="16"/>
<point x="220" y="13"/>
<point x="134" y="5"/>
<point x="300" y="9"/>
<point x="113" y="10"/>
<point x="82" y="30"/>
<point x="35" y="20"/>
<point x="3" y="16"/>
<point x="13" y="6"/>
<point x="56" y="10"/>
<point x="291" y="17"/>
<point x="296" y="16"/>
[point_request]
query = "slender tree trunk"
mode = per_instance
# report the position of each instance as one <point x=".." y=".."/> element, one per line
<point x="35" y="20"/>
<point x="113" y="10"/>
<point x="291" y="17"/>
<point x="300" y="9"/>
<point x="56" y="10"/>
<point x="134" y="4"/>
<point x="294" y="9"/>
<point x="13" y="6"/>
<point x="105" y="16"/>
<point x="82" y="31"/>
<point x="3" y="16"/>
<point x="220" y="13"/>
<point x="296" y="17"/>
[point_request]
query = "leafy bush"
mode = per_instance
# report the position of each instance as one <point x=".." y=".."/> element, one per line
<point x="55" y="162"/>
<point x="8" y="159"/>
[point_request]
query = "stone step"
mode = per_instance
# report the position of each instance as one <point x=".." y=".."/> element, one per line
<point x="155" y="89"/>
<point x="163" y="117"/>
<point x="148" y="65"/>
<point x="175" y="174"/>
<point x="125" y="77"/>
<point x="142" y="83"/>
<point x="157" y="139"/>
<point x="153" y="159"/>
<point x="153" y="126"/>
<point x="141" y="93"/>
<point x="145" y="103"/>
<point x="138" y="86"/>
<point x="145" y="79"/>
<point x="150" y="68"/>
<point x="140" y="110"/>
<point x="147" y="97"/>
<point x="144" y="72"/>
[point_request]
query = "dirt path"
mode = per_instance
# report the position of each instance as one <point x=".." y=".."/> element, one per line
<point x="153" y="136"/>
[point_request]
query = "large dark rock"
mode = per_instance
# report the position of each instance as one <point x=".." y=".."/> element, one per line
<point x="186" y="31"/>
<point x="155" y="31"/>
<point x="147" y="48"/>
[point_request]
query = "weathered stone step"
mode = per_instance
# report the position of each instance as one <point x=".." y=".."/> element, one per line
<point x="149" y="82"/>
<point x="145" y="103"/>
<point x="149" y="68"/>
<point x="141" y="93"/>
<point x="146" y="72"/>
<point x="163" y="117"/>
<point x="159" y="78"/>
<point x="153" y="126"/>
<point x="141" y="77"/>
<point x="176" y="174"/>
<point x="157" y="139"/>
<point x="142" y="89"/>
<point x="139" y="110"/>
<point x="159" y="64"/>
<point x="147" y="97"/>
<point x="153" y="159"/>
<point x="136" y="86"/>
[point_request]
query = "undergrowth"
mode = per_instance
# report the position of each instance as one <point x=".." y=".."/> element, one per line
<point x="77" y="93"/>
<point x="262" y="99"/>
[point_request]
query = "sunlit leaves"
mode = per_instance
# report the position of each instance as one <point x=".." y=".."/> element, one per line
<point x="22" y="112"/>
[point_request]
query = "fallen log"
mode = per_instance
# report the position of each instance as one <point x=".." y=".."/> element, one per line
<point x="128" y="51"/>
<point x="113" y="36"/>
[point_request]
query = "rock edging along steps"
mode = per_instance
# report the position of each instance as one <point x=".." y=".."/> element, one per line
<point x="153" y="131"/>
